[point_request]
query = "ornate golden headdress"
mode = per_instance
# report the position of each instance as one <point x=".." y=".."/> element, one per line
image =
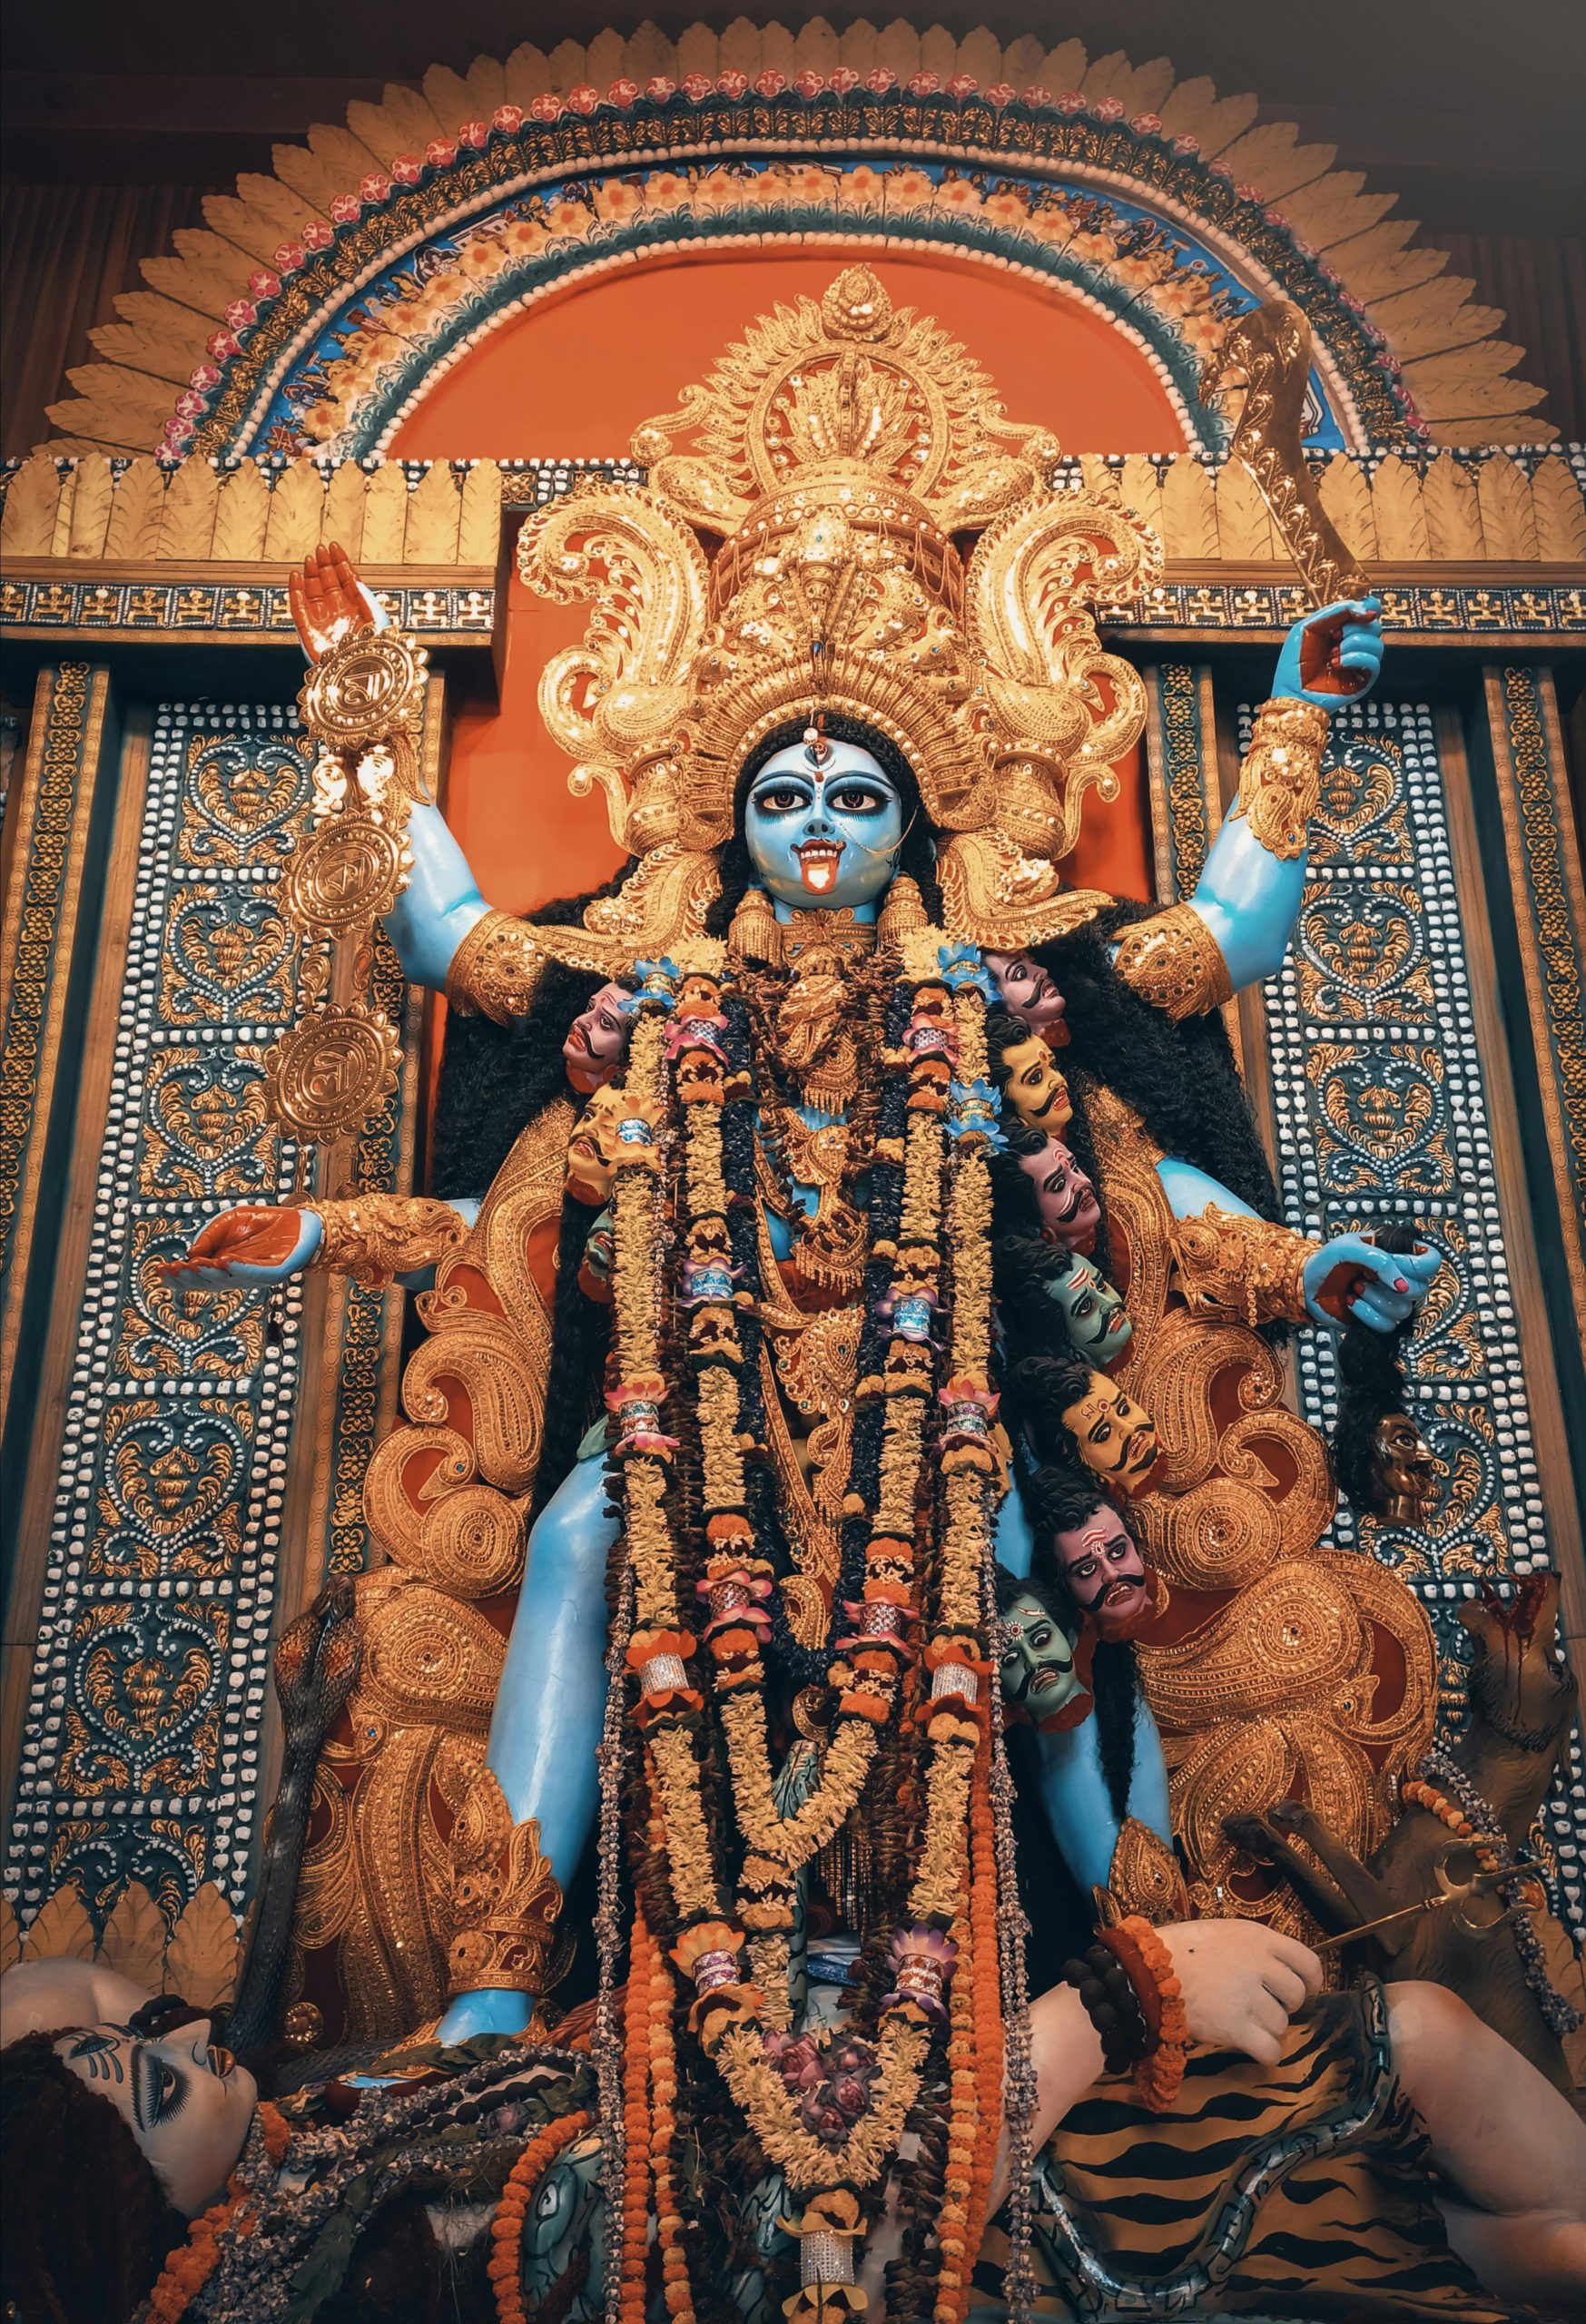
<point x="798" y="548"/>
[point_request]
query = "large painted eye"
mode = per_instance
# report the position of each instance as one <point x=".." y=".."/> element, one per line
<point x="781" y="798"/>
<point x="856" y="799"/>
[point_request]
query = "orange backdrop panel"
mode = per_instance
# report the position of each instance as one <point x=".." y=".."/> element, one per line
<point x="573" y="376"/>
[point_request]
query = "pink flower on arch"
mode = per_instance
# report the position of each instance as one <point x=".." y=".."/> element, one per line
<point x="319" y="234"/>
<point x="507" y="119"/>
<point x="440" y="153"/>
<point x="1186" y="145"/>
<point x="1248" y="191"/>
<point x="659" y="89"/>
<point x="924" y="84"/>
<point x="406" y="169"/>
<point x="191" y="405"/>
<point x="1034" y="96"/>
<point x="221" y="345"/>
<point x="1276" y="218"/>
<point x="374" y="188"/>
<point x="733" y="84"/>
<point x="1146" y="125"/>
<point x="879" y="81"/>
<point x="263" y="283"/>
<point x="843" y="80"/>
<point x="474" y="135"/>
<point x="1070" y="103"/>
<point x="1221" y="170"/>
<point x="1108" y="108"/>
<point x="290" y="257"/>
<point x="547" y="107"/>
<point x="178" y="431"/>
<point x="240" y="313"/>
<point x="999" y="94"/>
<point x="770" y="83"/>
<point x="695" y="87"/>
<point x="346" y="210"/>
<point x="622" y="95"/>
<point x="961" y="84"/>
<point x="809" y="85"/>
<point x="206" y="376"/>
<point x="583" y="97"/>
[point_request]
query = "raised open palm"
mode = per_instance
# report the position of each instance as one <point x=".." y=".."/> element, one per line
<point x="329" y="601"/>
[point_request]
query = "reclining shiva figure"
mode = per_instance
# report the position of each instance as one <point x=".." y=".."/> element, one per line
<point x="921" y="1561"/>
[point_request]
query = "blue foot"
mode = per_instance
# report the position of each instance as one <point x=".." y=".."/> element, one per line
<point x="493" y="2010"/>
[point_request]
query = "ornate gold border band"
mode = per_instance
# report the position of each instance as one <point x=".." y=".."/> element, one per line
<point x="1549" y="904"/>
<point x="51" y="818"/>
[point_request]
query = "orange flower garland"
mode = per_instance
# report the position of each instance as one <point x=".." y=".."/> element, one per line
<point x="635" y="2190"/>
<point x="506" y="2268"/>
<point x="194" y="2262"/>
<point x="1159" y="2076"/>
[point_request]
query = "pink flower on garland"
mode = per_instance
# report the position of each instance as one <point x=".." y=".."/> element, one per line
<point x="547" y="108"/>
<point x="1069" y="103"/>
<point x="1146" y="125"/>
<point x="240" y="313"/>
<point x="374" y="188"/>
<point x="1186" y="145"/>
<point x="623" y="95"/>
<point x="1109" y="109"/>
<point x="879" y="81"/>
<point x="695" y="87"/>
<point x="659" y="89"/>
<point x="475" y="134"/>
<point x="205" y="377"/>
<point x="263" y="284"/>
<point x="191" y="405"/>
<point x="1248" y="191"/>
<point x="1001" y="94"/>
<point x="924" y="84"/>
<point x="440" y="153"/>
<point x="1034" y="96"/>
<point x="290" y="257"/>
<point x="177" y="431"/>
<point x="843" y="80"/>
<point x="346" y="210"/>
<point x="733" y="84"/>
<point x="406" y="169"/>
<point x="507" y="119"/>
<point x="770" y="83"/>
<point x="961" y="84"/>
<point x="809" y="85"/>
<point x="1276" y="218"/>
<point x="319" y="234"/>
<point x="584" y="98"/>
<point x="1221" y="170"/>
<point x="223" y="345"/>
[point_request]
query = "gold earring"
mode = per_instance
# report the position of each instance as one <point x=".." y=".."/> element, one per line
<point x="902" y="914"/>
<point x="754" y="934"/>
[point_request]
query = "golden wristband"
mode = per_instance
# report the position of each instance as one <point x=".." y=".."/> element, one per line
<point x="1280" y="781"/>
<point x="373" y="1237"/>
<point x="496" y="969"/>
<point x="1174" y="962"/>
<point x="1250" y="1270"/>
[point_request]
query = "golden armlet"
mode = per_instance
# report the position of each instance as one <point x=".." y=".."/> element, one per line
<point x="373" y="1237"/>
<point x="1280" y="781"/>
<point x="1174" y="962"/>
<point x="496" y="969"/>
<point x="504" y="1901"/>
<point x="1244" y="1269"/>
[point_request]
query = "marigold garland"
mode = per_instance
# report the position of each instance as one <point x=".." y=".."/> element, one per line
<point x="505" y="2266"/>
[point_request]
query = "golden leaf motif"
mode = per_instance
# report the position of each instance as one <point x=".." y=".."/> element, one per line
<point x="203" y="1957"/>
<point x="61" y="1929"/>
<point x="10" y="1935"/>
<point x="135" y="1939"/>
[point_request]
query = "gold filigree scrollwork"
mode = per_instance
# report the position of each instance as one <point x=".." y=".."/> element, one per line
<point x="1249" y="1268"/>
<point x="1280" y="781"/>
<point x="1173" y="961"/>
<point x="375" y="1237"/>
<point x="506" y="1902"/>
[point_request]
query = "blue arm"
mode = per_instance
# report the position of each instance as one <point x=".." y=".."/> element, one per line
<point x="439" y="904"/>
<point x="1074" y="1795"/>
<point x="549" y="1708"/>
<point x="1248" y="897"/>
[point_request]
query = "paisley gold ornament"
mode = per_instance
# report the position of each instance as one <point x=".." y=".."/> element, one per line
<point x="330" y="1071"/>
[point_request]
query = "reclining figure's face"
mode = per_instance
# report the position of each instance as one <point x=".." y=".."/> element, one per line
<point x="825" y="836"/>
<point x="186" y="2101"/>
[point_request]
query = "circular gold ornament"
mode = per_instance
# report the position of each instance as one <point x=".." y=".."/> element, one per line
<point x="302" y="2025"/>
<point x="327" y="1075"/>
<point x="345" y="875"/>
<point x="369" y="687"/>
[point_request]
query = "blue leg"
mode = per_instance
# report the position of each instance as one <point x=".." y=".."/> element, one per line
<point x="546" y="1730"/>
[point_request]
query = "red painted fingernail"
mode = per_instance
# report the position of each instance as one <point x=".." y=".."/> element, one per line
<point x="1399" y="1283"/>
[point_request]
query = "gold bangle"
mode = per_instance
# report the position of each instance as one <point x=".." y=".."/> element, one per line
<point x="375" y="1237"/>
<point x="504" y="1900"/>
<point x="1248" y="1269"/>
<point x="1281" y="779"/>
<point x="496" y="969"/>
<point x="1174" y="962"/>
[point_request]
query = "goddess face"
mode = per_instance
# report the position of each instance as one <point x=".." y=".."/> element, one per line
<point x="824" y="834"/>
<point x="1101" y="1563"/>
<point x="1115" y="1435"/>
<point x="1039" y="1093"/>
<point x="1038" y="1670"/>
<point x="1029" y="992"/>
<point x="594" y="1047"/>
<point x="1064" y="1197"/>
<point x="1098" y="1324"/>
<point x="187" y="2101"/>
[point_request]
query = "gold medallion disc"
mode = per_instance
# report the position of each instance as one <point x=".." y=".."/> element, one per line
<point x="345" y="875"/>
<point x="327" y="1075"/>
<point x="369" y="687"/>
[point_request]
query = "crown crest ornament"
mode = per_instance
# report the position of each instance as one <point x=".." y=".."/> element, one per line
<point x="841" y="518"/>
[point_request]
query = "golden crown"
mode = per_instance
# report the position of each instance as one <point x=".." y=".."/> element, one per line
<point x="842" y="519"/>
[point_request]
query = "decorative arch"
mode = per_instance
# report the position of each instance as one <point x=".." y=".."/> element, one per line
<point x="431" y="218"/>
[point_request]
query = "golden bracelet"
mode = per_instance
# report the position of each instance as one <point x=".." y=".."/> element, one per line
<point x="375" y="1237"/>
<point x="504" y="1900"/>
<point x="1250" y="1269"/>
<point x="1280" y="781"/>
<point x="1174" y="962"/>
<point x="496" y="969"/>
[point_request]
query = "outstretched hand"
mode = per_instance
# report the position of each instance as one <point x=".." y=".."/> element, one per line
<point x="329" y="601"/>
<point x="252" y="1243"/>
<point x="1333" y="656"/>
<point x="1350" y="1281"/>
<point x="1242" y="1983"/>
